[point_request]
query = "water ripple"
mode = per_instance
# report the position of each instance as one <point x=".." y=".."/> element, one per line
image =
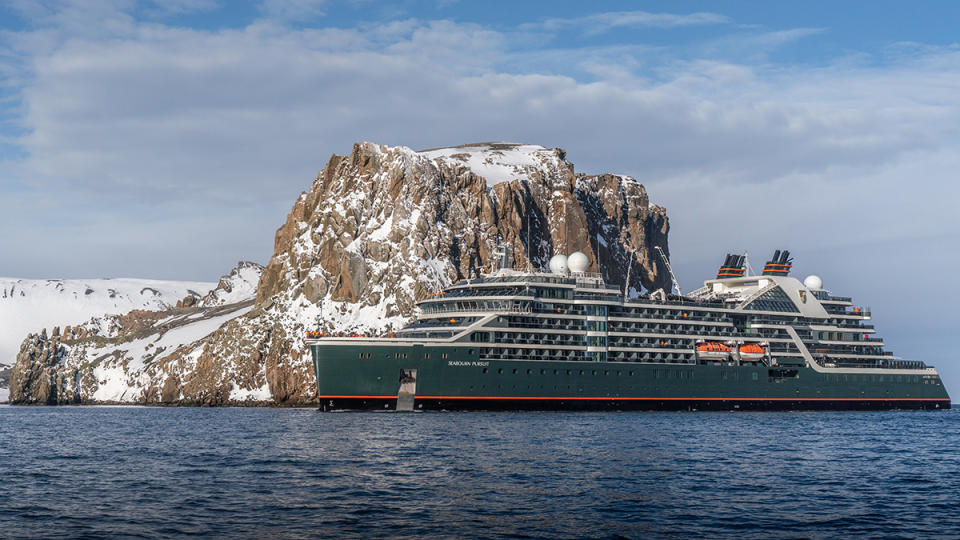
<point x="160" y="473"/>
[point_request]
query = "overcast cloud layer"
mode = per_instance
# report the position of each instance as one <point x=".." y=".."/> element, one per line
<point x="135" y="146"/>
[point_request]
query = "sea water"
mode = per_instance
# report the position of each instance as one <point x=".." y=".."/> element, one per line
<point x="168" y="472"/>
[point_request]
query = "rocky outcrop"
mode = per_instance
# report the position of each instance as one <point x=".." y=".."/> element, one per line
<point x="378" y="230"/>
<point x="237" y="286"/>
<point x="37" y="376"/>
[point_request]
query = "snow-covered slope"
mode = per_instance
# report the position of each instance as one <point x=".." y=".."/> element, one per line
<point x="144" y="355"/>
<point x="30" y="305"/>
<point x="140" y="357"/>
<point x="496" y="162"/>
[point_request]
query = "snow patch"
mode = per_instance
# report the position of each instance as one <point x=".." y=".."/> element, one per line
<point x="257" y="394"/>
<point x="495" y="162"/>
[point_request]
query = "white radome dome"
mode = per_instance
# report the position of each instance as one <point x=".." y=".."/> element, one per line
<point x="814" y="283"/>
<point x="578" y="262"/>
<point x="558" y="264"/>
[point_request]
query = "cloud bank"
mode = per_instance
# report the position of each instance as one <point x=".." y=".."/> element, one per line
<point x="139" y="147"/>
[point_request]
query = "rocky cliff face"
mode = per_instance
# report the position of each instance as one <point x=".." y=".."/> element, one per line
<point x="378" y="230"/>
<point x="383" y="225"/>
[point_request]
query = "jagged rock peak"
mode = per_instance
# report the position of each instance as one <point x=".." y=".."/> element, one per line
<point x="237" y="286"/>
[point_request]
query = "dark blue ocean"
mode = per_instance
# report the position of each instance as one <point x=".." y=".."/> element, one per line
<point x="265" y="473"/>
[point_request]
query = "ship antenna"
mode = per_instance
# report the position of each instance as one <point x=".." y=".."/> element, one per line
<point x="666" y="261"/>
<point x="529" y="262"/>
<point x="746" y="263"/>
<point x="626" y="285"/>
<point x="599" y="269"/>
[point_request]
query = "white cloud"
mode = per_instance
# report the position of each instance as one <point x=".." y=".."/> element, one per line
<point x="136" y="130"/>
<point x="599" y="23"/>
<point x="164" y="8"/>
<point x="756" y="44"/>
<point x="293" y="10"/>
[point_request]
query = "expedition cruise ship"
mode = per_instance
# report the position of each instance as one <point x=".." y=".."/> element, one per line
<point x="564" y="339"/>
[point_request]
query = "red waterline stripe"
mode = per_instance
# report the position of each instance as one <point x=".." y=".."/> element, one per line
<point x="580" y="398"/>
<point x="357" y="397"/>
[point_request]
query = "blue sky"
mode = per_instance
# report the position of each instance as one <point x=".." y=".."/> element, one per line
<point x="169" y="139"/>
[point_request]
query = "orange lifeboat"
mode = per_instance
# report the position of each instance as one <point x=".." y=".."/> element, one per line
<point x="713" y="351"/>
<point x="751" y="351"/>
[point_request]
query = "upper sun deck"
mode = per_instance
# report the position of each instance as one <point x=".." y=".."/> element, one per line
<point x="510" y="283"/>
<point x="583" y="280"/>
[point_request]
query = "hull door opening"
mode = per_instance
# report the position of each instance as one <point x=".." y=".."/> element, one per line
<point x="408" y="389"/>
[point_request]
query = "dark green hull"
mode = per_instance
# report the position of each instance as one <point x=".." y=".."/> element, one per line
<point x="367" y="377"/>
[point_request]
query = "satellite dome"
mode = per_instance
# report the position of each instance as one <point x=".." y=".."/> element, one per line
<point x="814" y="283"/>
<point x="578" y="262"/>
<point x="558" y="264"/>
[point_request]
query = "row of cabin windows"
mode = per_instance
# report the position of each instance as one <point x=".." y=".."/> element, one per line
<point x="575" y="356"/>
<point x="869" y="350"/>
<point x="404" y="355"/>
<point x="774" y="373"/>
<point x="667" y="328"/>
<point x="846" y="378"/>
<point x="480" y="337"/>
<point x="538" y="339"/>
<point x="551" y="323"/>
<point x="649" y="357"/>
<point x="843" y="336"/>
<point x="655" y="313"/>
<point x="445" y="321"/>
<point x="477" y="305"/>
<point x="537" y="292"/>
<point x="651" y="342"/>
<point x="613" y="326"/>
<point x="657" y="373"/>
<point x="545" y="292"/>
<point x="531" y="354"/>
<point x="786" y="319"/>
<point x="538" y="306"/>
<point x="485" y="291"/>
<point x="530" y="338"/>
